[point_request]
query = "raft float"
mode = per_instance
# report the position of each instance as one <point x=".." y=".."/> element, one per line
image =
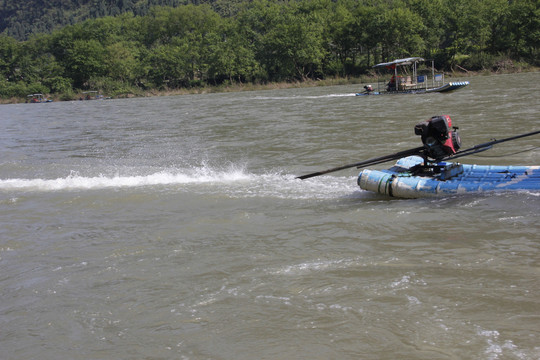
<point x="403" y="181"/>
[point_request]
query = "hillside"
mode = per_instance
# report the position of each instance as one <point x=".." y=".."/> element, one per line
<point x="21" y="19"/>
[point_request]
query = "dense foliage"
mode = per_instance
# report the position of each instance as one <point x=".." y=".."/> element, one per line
<point x="20" y="19"/>
<point x="263" y="40"/>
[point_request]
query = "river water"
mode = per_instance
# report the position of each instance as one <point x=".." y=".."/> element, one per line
<point x="174" y="228"/>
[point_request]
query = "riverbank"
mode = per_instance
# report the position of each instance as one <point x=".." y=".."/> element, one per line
<point x="235" y="87"/>
<point x="240" y="87"/>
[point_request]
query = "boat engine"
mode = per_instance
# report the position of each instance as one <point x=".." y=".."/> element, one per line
<point x="438" y="138"/>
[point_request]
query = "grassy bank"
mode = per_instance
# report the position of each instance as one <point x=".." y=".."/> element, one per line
<point x="238" y="87"/>
<point x="235" y="87"/>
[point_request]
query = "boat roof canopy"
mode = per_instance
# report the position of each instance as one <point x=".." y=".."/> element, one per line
<point x="400" y="62"/>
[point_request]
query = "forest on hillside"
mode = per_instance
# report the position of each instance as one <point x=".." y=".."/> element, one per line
<point x="21" y="19"/>
<point x="223" y="42"/>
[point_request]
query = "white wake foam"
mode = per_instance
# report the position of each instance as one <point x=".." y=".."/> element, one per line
<point x="75" y="181"/>
<point x="303" y="96"/>
<point x="234" y="182"/>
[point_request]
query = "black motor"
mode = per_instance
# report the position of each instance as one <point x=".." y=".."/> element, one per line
<point x="438" y="138"/>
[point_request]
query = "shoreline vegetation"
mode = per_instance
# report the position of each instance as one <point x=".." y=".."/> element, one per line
<point x="231" y="45"/>
<point x="241" y="87"/>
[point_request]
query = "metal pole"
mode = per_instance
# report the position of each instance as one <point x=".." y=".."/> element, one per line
<point x="432" y="73"/>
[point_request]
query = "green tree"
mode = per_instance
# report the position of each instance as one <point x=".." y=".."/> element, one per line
<point x="367" y="29"/>
<point x="523" y="26"/>
<point x="400" y="32"/>
<point x="121" y="60"/>
<point x="256" y="19"/>
<point x="231" y="56"/>
<point x="289" y="40"/>
<point x="9" y="48"/>
<point x="194" y="27"/>
<point x="468" y="26"/>
<point x="432" y="14"/>
<point x="85" y="59"/>
<point x="168" y="65"/>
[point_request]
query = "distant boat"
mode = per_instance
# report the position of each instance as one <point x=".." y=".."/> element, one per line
<point x="409" y="81"/>
<point x="37" y="98"/>
<point x="92" y="95"/>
